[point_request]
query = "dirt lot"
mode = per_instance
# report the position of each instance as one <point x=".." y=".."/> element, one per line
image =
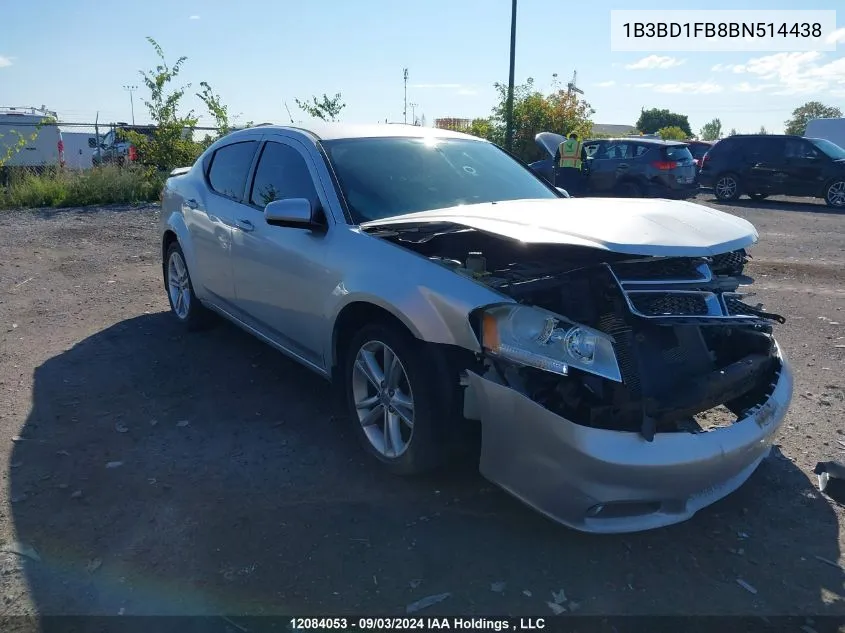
<point x="159" y="473"/>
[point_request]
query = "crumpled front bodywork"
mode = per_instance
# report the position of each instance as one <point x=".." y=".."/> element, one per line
<point x="606" y="481"/>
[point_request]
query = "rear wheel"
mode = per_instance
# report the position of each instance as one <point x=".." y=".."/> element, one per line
<point x="629" y="190"/>
<point x="727" y="187"/>
<point x="834" y="196"/>
<point x="399" y="396"/>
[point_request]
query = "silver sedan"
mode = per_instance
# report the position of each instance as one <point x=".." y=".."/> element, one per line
<point x="600" y="350"/>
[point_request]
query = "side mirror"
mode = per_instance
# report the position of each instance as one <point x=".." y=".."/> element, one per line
<point x="563" y="192"/>
<point x="297" y="213"/>
<point x="92" y="142"/>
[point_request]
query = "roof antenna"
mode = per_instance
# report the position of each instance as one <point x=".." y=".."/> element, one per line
<point x="288" y="109"/>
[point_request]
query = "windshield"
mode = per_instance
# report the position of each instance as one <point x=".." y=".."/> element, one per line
<point x="831" y="149"/>
<point x="386" y="177"/>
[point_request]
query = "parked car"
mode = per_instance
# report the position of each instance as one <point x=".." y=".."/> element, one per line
<point x="447" y="290"/>
<point x="761" y="165"/>
<point x="114" y="149"/>
<point x="626" y="167"/>
<point x="698" y="149"/>
<point x="832" y="130"/>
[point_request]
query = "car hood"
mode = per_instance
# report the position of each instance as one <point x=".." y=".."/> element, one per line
<point x="549" y="141"/>
<point x="652" y="227"/>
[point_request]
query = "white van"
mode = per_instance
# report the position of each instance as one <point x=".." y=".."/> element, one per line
<point x="832" y="130"/>
<point x="43" y="146"/>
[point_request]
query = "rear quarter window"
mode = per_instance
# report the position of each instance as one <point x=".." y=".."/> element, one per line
<point x="679" y="153"/>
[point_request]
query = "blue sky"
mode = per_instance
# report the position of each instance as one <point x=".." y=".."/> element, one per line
<point x="77" y="56"/>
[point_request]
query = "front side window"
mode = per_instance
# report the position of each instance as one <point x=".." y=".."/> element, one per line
<point x="832" y="150"/>
<point x="386" y="177"/>
<point x="800" y="149"/>
<point x="281" y="173"/>
<point x="229" y="168"/>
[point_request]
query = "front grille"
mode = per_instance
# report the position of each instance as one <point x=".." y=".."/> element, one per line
<point x="670" y="303"/>
<point x="729" y="263"/>
<point x="666" y="270"/>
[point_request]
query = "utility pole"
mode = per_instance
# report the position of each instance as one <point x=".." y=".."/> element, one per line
<point x="405" y="110"/>
<point x="131" y="90"/>
<point x="414" y="112"/>
<point x="509" y="105"/>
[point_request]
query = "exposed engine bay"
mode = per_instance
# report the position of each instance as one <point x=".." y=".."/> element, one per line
<point x="684" y="337"/>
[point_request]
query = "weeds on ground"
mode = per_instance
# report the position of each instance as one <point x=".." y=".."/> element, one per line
<point x="108" y="184"/>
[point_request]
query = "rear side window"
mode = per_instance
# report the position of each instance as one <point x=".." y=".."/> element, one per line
<point x="229" y="168"/>
<point x="677" y="153"/>
<point x="281" y="173"/>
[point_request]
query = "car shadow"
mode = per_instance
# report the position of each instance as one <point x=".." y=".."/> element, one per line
<point x="810" y="205"/>
<point x="166" y="473"/>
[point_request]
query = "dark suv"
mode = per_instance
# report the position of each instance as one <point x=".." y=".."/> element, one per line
<point x="625" y="167"/>
<point x="761" y="165"/>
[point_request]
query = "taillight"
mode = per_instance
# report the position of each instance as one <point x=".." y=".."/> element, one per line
<point x="664" y="165"/>
<point x="703" y="160"/>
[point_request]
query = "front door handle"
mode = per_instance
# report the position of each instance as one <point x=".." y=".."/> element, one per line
<point x="246" y="225"/>
<point x="192" y="204"/>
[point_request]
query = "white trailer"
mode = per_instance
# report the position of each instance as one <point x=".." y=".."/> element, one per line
<point x="79" y="149"/>
<point x="30" y="137"/>
<point x="832" y="130"/>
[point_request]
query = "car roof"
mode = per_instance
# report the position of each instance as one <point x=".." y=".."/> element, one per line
<point x="763" y="136"/>
<point x="320" y="131"/>
<point x="645" y="141"/>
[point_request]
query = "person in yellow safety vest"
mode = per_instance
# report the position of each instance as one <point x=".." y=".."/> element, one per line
<point x="569" y="175"/>
<point x="570" y="152"/>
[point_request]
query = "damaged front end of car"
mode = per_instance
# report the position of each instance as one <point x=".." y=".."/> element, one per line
<point x="626" y="394"/>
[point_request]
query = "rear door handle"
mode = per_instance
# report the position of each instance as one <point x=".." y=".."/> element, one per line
<point x="192" y="204"/>
<point x="246" y="225"/>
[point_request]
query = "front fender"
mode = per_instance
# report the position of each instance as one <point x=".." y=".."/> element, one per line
<point x="433" y="302"/>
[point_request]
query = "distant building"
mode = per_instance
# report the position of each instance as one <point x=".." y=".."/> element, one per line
<point x="611" y="129"/>
<point x="456" y="125"/>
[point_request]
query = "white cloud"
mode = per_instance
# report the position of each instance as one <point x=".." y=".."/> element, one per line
<point x="5" y="61"/>
<point x="796" y="73"/>
<point x="690" y="87"/>
<point x="837" y="36"/>
<point x="747" y="87"/>
<point x="654" y="62"/>
<point x="467" y="92"/>
<point x="194" y="17"/>
<point x="606" y="84"/>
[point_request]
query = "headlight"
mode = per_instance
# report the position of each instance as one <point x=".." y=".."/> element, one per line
<point x="545" y="340"/>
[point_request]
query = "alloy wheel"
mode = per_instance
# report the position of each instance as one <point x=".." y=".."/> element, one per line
<point x="836" y="194"/>
<point x="178" y="285"/>
<point x="726" y="187"/>
<point x="383" y="399"/>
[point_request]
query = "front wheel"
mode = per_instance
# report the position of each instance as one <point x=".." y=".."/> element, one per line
<point x="180" y="291"/>
<point x="400" y="398"/>
<point x="835" y="194"/>
<point x="758" y="196"/>
<point x="727" y="187"/>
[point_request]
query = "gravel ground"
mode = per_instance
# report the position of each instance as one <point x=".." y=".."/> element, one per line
<point x="152" y="472"/>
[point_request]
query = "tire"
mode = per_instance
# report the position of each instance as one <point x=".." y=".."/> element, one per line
<point x="758" y="196"/>
<point x="183" y="302"/>
<point x="834" y="194"/>
<point x="726" y="187"/>
<point x="629" y="190"/>
<point x="421" y="378"/>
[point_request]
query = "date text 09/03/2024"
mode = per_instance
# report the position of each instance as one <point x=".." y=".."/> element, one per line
<point x="418" y="624"/>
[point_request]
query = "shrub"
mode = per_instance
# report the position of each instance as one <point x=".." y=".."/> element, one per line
<point x="108" y="184"/>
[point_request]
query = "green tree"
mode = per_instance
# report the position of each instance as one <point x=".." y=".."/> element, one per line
<point x="171" y="144"/>
<point x="655" y="119"/>
<point x="802" y="115"/>
<point x="327" y="108"/>
<point x="712" y="130"/>
<point x="482" y="128"/>
<point x="672" y="133"/>
<point x="733" y="132"/>
<point x="535" y="112"/>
